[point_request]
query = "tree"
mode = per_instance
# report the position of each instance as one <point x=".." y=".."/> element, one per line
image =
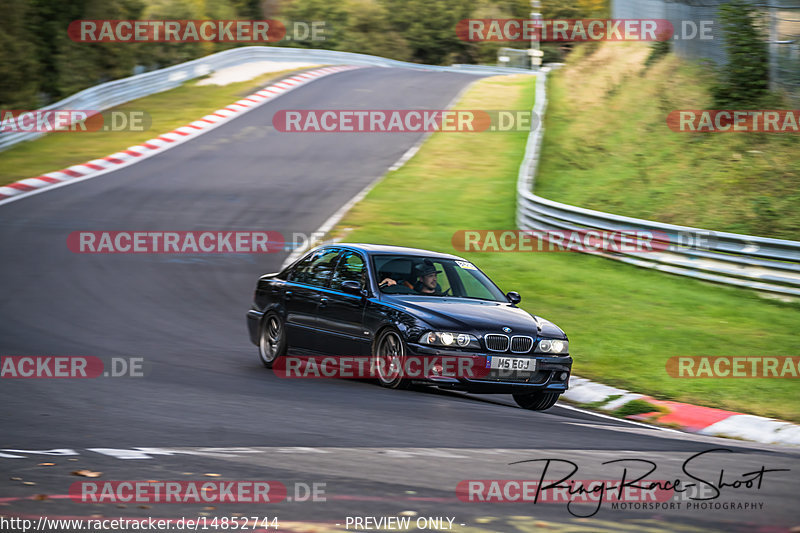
<point x="429" y="27"/>
<point x="80" y="65"/>
<point x="744" y="80"/>
<point x="368" y="32"/>
<point x="594" y="8"/>
<point x="333" y="14"/>
<point x="560" y="9"/>
<point x="18" y="59"/>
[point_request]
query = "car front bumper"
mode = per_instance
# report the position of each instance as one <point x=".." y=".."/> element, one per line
<point x="254" y="317"/>
<point x="551" y="375"/>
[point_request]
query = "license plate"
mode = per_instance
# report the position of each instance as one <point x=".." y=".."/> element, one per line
<point x="511" y="363"/>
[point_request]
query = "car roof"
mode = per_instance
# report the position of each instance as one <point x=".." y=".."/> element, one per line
<point x="379" y="249"/>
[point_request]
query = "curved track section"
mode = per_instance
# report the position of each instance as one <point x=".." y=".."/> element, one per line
<point x="378" y="451"/>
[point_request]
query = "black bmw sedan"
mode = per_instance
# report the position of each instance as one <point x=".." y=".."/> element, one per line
<point x="414" y="316"/>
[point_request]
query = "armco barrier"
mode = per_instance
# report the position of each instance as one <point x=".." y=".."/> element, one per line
<point x="113" y="93"/>
<point x="771" y="265"/>
<point x="761" y="263"/>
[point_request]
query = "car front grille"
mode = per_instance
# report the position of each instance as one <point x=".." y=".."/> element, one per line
<point x="521" y="344"/>
<point x="496" y="342"/>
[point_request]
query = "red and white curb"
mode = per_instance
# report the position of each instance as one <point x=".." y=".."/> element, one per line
<point x="691" y="418"/>
<point x="133" y="154"/>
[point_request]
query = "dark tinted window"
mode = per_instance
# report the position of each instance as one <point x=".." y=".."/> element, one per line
<point x="317" y="268"/>
<point x="455" y="278"/>
<point x="349" y="268"/>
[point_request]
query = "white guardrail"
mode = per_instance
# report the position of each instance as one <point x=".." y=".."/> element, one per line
<point x="113" y="93"/>
<point x="761" y="263"/>
<point x="765" y="264"/>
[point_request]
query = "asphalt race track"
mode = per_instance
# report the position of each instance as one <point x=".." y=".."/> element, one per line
<point x="206" y="405"/>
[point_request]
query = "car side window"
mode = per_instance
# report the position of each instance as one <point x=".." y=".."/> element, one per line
<point x="317" y="268"/>
<point x="350" y="268"/>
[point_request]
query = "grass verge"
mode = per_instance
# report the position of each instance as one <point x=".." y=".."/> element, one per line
<point x="623" y="322"/>
<point x="168" y="110"/>
<point x="608" y="147"/>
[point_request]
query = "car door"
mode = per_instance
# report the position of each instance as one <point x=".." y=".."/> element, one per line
<point x="302" y="297"/>
<point x="341" y="314"/>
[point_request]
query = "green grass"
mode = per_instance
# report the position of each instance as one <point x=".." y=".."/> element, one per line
<point x="638" y="407"/>
<point x="623" y="322"/>
<point x="607" y="147"/>
<point x="168" y="110"/>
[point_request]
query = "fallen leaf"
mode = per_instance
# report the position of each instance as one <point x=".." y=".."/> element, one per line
<point x="209" y="508"/>
<point x="40" y="497"/>
<point x="212" y="475"/>
<point x="28" y="483"/>
<point x="86" y="473"/>
<point x="47" y="464"/>
<point x="16" y="479"/>
<point x="71" y="459"/>
<point x="143" y="506"/>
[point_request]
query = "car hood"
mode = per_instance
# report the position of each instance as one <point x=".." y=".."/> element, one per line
<point x="463" y="315"/>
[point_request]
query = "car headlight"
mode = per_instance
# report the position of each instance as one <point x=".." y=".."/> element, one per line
<point x="446" y="338"/>
<point x="554" y="346"/>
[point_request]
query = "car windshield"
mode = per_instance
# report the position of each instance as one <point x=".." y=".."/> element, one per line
<point x="428" y="276"/>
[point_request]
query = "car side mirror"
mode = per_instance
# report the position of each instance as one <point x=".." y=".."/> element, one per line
<point x="514" y="297"/>
<point x="352" y="287"/>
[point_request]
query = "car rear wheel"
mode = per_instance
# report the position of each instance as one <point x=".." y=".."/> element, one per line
<point x="389" y="357"/>
<point x="272" y="342"/>
<point x="538" y="401"/>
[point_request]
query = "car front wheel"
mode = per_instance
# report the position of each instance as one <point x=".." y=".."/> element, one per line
<point x="389" y="357"/>
<point x="538" y="401"/>
<point x="272" y="343"/>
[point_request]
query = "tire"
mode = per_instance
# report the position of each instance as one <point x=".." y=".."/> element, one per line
<point x="538" y="401"/>
<point x="272" y="339"/>
<point x="389" y="357"/>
